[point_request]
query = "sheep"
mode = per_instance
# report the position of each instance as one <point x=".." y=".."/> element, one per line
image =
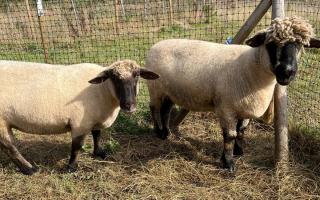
<point x="53" y="99"/>
<point x="234" y="81"/>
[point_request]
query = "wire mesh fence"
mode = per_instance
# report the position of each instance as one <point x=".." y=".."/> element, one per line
<point x="74" y="31"/>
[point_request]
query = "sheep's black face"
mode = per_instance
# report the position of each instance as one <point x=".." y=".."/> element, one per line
<point x="127" y="88"/>
<point x="125" y="85"/>
<point x="284" y="61"/>
<point x="283" y="54"/>
<point x="126" y="91"/>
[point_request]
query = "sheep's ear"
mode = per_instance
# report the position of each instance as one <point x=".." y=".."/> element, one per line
<point x="149" y="75"/>
<point x="101" y="77"/>
<point x="257" y="40"/>
<point x="314" y="43"/>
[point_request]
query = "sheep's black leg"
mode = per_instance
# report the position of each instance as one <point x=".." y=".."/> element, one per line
<point x="165" y="117"/>
<point x="227" y="155"/>
<point x="98" y="150"/>
<point x="182" y="113"/>
<point x="77" y="143"/>
<point x="8" y="147"/>
<point x="238" y="146"/>
<point x="156" y="128"/>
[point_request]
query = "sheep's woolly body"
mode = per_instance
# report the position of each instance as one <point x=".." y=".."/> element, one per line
<point x="46" y="99"/>
<point x="124" y="68"/>
<point x="292" y="29"/>
<point x="233" y="80"/>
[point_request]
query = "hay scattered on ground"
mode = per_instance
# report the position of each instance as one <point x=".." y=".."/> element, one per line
<point x="180" y="168"/>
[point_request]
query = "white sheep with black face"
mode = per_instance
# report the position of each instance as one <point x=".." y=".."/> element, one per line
<point x="235" y="81"/>
<point x="51" y="99"/>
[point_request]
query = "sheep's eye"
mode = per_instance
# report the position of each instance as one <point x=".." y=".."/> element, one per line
<point x="136" y="74"/>
<point x="299" y="47"/>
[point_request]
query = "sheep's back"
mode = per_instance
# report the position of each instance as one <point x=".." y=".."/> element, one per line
<point x="196" y="74"/>
<point x="34" y="95"/>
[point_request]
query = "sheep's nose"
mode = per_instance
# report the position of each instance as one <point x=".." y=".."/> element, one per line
<point x="127" y="105"/>
<point x="130" y="107"/>
<point x="287" y="70"/>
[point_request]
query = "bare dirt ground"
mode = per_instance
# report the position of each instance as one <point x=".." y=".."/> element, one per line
<point x="145" y="167"/>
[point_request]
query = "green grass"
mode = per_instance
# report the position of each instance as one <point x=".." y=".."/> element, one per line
<point x="306" y="130"/>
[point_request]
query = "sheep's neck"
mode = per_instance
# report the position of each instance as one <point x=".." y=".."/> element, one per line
<point x="109" y="104"/>
<point x="255" y="95"/>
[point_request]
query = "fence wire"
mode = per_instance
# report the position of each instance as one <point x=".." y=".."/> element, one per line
<point x="74" y="31"/>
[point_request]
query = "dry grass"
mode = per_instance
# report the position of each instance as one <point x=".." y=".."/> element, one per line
<point x="145" y="167"/>
<point x="148" y="168"/>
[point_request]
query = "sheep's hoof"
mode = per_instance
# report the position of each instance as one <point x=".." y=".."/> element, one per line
<point x="101" y="153"/>
<point x="228" y="164"/>
<point x="28" y="171"/>
<point x="176" y="131"/>
<point x="237" y="151"/>
<point x="72" y="168"/>
<point x="158" y="132"/>
<point x="162" y="135"/>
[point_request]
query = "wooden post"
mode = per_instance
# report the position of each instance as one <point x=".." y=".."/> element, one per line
<point x="252" y="21"/>
<point x="116" y="11"/>
<point x="280" y="104"/>
<point x="277" y="8"/>
<point x="280" y="94"/>
<point x="11" y="22"/>
<point x="170" y="12"/>
<point x="195" y="11"/>
<point x="41" y="24"/>
<point x="30" y="19"/>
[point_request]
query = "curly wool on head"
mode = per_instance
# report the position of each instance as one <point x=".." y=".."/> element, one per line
<point x="124" y="68"/>
<point x="293" y="29"/>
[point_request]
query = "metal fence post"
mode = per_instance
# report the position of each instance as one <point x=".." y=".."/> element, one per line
<point x="41" y="21"/>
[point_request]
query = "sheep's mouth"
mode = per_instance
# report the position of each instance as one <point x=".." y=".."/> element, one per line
<point x="128" y="109"/>
<point x="284" y="81"/>
<point x="284" y="77"/>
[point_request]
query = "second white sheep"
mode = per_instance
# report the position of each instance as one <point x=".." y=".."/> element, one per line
<point x="235" y="81"/>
